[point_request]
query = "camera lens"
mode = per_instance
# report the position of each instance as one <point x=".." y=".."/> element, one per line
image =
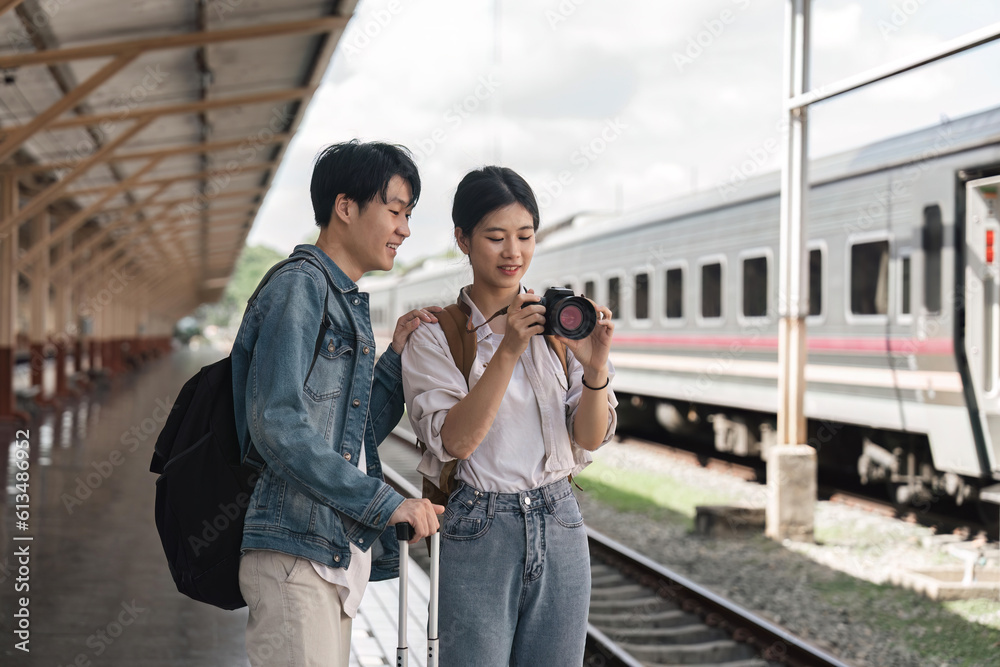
<point x="570" y="317"/>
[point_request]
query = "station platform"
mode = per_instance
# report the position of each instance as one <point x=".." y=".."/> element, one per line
<point x="99" y="589"/>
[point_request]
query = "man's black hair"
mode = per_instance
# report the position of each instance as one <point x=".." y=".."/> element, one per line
<point x="361" y="171"/>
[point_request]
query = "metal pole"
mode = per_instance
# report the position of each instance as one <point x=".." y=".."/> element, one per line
<point x="793" y="292"/>
<point x="432" y="605"/>
<point x="404" y="533"/>
<point x="791" y="464"/>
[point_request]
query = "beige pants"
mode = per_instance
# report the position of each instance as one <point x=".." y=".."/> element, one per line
<point x="296" y="618"/>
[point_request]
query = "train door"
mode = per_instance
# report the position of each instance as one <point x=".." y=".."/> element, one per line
<point x="982" y="308"/>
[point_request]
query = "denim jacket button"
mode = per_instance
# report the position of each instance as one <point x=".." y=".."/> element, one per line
<point x="336" y="559"/>
<point x="330" y="346"/>
<point x="361" y="540"/>
<point x="347" y="455"/>
<point x="366" y="350"/>
<point x="356" y="403"/>
<point x="356" y="301"/>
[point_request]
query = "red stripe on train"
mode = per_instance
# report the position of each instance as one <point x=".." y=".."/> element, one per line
<point x="865" y="345"/>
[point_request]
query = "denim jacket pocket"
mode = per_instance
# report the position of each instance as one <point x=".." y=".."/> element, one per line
<point x="332" y="366"/>
<point x="461" y="522"/>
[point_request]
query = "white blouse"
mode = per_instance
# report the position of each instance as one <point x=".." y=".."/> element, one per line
<point x="530" y="442"/>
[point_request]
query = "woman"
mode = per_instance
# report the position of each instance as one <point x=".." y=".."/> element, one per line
<point x="515" y="567"/>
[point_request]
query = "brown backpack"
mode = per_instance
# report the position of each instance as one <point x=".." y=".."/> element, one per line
<point x="462" y="343"/>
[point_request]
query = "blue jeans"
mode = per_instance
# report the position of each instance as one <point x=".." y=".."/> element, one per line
<point x="515" y="578"/>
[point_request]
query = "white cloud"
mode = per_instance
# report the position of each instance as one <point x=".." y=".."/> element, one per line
<point x="607" y="60"/>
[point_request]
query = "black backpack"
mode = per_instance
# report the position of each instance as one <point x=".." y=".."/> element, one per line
<point x="204" y="487"/>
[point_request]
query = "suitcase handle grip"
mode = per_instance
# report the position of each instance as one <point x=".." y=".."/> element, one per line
<point x="404" y="532"/>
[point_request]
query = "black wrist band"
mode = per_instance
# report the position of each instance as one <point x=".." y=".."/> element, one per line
<point x="596" y="388"/>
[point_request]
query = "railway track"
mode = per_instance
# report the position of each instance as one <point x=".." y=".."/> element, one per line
<point x="642" y="613"/>
<point x="943" y="520"/>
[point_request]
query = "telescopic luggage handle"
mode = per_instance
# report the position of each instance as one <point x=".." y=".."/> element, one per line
<point x="405" y="533"/>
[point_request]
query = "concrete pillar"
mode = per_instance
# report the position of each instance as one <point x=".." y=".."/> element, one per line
<point x="64" y="325"/>
<point x="8" y="298"/>
<point x="106" y="331"/>
<point x="39" y="326"/>
<point x="791" y="485"/>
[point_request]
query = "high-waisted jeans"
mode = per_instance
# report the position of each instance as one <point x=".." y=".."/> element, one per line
<point x="515" y="578"/>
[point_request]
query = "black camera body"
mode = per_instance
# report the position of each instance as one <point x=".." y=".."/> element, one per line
<point x="566" y="315"/>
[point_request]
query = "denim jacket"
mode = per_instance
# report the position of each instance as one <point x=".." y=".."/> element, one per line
<point x="306" y="421"/>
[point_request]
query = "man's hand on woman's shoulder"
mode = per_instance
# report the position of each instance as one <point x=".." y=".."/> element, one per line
<point x="409" y="322"/>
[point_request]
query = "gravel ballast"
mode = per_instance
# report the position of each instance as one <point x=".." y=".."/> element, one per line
<point x="832" y="593"/>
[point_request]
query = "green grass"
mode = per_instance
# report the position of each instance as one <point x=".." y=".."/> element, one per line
<point x="646" y="493"/>
<point x="931" y="629"/>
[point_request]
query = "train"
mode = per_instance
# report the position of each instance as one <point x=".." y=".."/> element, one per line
<point x="903" y="362"/>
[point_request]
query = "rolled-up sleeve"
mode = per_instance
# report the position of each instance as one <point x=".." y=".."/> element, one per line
<point x="574" y="394"/>
<point x="432" y="385"/>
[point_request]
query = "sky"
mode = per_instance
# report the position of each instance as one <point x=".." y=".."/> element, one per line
<point x="610" y="105"/>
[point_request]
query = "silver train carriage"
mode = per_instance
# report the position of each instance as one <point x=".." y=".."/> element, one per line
<point x="903" y="368"/>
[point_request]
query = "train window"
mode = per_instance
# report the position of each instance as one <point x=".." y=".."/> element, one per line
<point x="815" y="282"/>
<point x="642" y="296"/>
<point x="588" y="290"/>
<point x="675" y="294"/>
<point x="755" y="287"/>
<point x="614" y="295"/>
<point x="711" y="290"/>
<point x="933" y="240"/>
<point x="870" y="278"/>
<point x="904" y="286"/>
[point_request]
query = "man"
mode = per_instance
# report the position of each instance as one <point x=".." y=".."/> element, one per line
<point x="316" y="405"/>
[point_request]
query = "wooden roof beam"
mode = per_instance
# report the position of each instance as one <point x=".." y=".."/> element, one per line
<point x="172" y="151"/>
<point x="97" y="238"/>
<point x="210" y="175"/>
<point x="196" y="201"/>
<point x="51" y="193"/>
<point x="7" y="5"/>
<point x="16" y="138"/>
<point x="77" y="220"/>
<point x="289" y="94"/>
<point x="110" y="49"/>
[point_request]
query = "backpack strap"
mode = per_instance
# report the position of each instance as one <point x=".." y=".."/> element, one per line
<point x="267" y="276"/>
<point x="461" y="341"/>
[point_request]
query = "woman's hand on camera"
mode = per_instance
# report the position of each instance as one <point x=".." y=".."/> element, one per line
<point x="525" y="318"/>
<point x="592" y="351"/>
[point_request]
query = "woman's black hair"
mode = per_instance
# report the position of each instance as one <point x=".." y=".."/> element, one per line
<point x="360" y="171"/>
<point x="489" y="189"/>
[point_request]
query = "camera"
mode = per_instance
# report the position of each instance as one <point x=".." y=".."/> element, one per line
<point x="567" y="315"/>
